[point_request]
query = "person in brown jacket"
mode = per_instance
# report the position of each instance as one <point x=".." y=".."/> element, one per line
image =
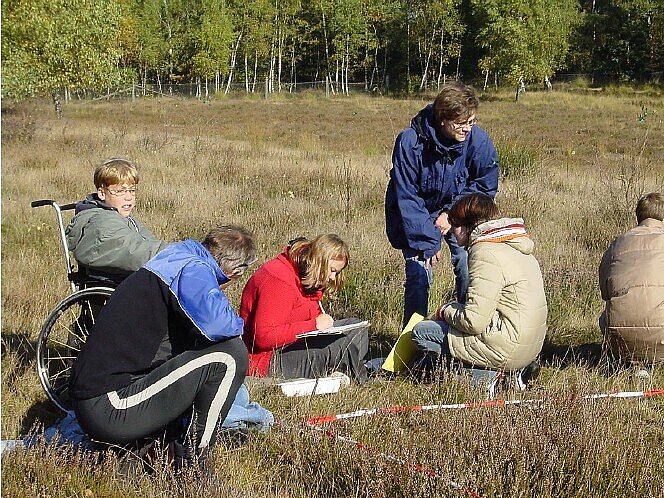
<point x="502" y="324"/>
<point x="631" y="281"/>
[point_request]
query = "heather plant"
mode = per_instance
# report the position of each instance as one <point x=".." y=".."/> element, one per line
<point x="302" y="166"/>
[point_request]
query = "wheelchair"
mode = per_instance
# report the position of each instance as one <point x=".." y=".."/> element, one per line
<point x="67" y="327"/>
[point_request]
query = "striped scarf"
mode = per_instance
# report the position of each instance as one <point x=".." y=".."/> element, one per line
<point x="511" y="228"/>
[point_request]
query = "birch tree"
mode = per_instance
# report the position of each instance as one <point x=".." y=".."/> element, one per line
<point x="384" y="40"/>
<point x="347" y="29"/>
<point x="524" y="40"/>
<point x="212" y="42"/>
<point x="52" y="45"/>
<point x="151" y="39"/>
<point x="437" y="29"/>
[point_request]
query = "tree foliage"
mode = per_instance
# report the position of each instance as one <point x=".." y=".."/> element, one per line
<point x="49" y="45"/>
<point x="624" y="38"/>
<point x="525" y="39"/>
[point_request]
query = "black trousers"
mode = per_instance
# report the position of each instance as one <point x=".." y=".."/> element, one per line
<point x="207" y="380"/>
<point x="318" y="356"/>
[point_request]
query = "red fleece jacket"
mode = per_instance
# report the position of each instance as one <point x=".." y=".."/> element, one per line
<point x="275" y="309"/>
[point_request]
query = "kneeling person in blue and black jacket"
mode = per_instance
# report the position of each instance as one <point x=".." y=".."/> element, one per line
<point x="166" y="345"/>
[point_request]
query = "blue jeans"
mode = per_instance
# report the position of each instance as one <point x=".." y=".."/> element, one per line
<point x="430" y="337"/>
<point x="419" y="278"/>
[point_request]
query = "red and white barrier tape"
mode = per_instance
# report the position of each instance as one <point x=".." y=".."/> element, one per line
<point x="315" y="423"/>
<point x="495" y="402"/>
<point x="386" y="456"/>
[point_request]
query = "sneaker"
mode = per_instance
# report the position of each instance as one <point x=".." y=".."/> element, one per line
<point x="526" y="375"/>
<point x="495" y="385"/>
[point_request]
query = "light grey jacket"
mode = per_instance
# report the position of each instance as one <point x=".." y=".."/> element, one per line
<point x="102" y="239"/>
<point x="631" y="281"/>
<point x="502" y="324"/>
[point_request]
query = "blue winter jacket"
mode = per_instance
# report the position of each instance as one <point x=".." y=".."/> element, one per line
<point x="170" y="305"/>
<point x="428" y="176"/>
<point x="194" y="277"/>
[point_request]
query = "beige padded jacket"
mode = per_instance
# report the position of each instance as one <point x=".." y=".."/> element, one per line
<point x="631" y="281"/>
<point x="503" y="322"/>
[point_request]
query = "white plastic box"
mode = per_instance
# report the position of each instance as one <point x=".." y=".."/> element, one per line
<point x="322" y="385"/>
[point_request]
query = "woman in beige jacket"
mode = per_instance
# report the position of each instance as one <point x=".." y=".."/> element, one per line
<point x="502" y="323"/>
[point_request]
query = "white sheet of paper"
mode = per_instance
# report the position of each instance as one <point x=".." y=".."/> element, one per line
<point x="342" y="329"/>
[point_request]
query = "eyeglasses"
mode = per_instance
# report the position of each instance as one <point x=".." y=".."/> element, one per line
<point x="469" y="123"/>
<point x="121" y="192"/>
<point x="240" y="269"/>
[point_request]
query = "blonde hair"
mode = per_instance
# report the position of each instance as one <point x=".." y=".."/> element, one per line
<point x="312" y="260"/>
<point x="115" y="171"/>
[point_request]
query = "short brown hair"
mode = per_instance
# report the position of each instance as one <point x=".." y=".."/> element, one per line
<point x="312" y="257"/>
<point x="650" y="206"/>
<point x="473" y="210"/>
<point x="115" y="171"/>
<point x="231" y="246"/>
<point x="455" y="100"/>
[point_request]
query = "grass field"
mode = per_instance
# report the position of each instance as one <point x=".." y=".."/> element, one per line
<point x="573" y="166"/>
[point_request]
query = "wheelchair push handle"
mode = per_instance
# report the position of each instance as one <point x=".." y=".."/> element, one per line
<point x="50" y="202"/>
<point x="61" y="231"/>
<point x="43" y="202"/>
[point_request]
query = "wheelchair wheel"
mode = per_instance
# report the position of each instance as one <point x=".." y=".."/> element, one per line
<point x="63" y="334"/>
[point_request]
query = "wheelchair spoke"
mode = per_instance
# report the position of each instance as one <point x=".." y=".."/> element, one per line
<point x="53" y="342"/>
<point x="64" y="372"/>
<point x="61" y="358"/>
<point x="60" y="389"/>
<point x="80" y="337"/>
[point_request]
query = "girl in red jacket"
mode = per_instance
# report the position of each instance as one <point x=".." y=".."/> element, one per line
<point x="282" y="299"/>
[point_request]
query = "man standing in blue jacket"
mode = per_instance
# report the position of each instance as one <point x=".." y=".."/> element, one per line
<point x="442" y="157"/>
<point x="167" y="347"/>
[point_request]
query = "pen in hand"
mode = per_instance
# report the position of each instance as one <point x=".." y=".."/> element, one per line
<point x="323" y="321"/>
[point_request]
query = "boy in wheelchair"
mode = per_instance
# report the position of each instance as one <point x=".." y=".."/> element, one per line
<point x="108" y="243"/>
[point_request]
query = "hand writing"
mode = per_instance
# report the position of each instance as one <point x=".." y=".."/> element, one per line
<point x="324" y="321"/>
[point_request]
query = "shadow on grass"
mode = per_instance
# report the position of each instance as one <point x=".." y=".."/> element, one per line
<point x="42" y="413"/>
<point x="591" y="355"/>
<point x="24" y="352"/>
<point x="21" y="345"/>
<point x="380" y="345"/>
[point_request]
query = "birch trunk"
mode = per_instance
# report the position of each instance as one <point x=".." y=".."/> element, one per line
<point x="425" y="71"/>
<point x="293" y="69"/>
<point x="327" y="48"/>
<point x="246" y="73"/>
<point x="280" y="49"/>
<point x="253" y="85"/>
<point x="233" y="59"/>
<point x="273" y="56"/>
<point x="440" y="63"/>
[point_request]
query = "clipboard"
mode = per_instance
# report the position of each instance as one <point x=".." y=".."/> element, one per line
<point x="403" y="351"/>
